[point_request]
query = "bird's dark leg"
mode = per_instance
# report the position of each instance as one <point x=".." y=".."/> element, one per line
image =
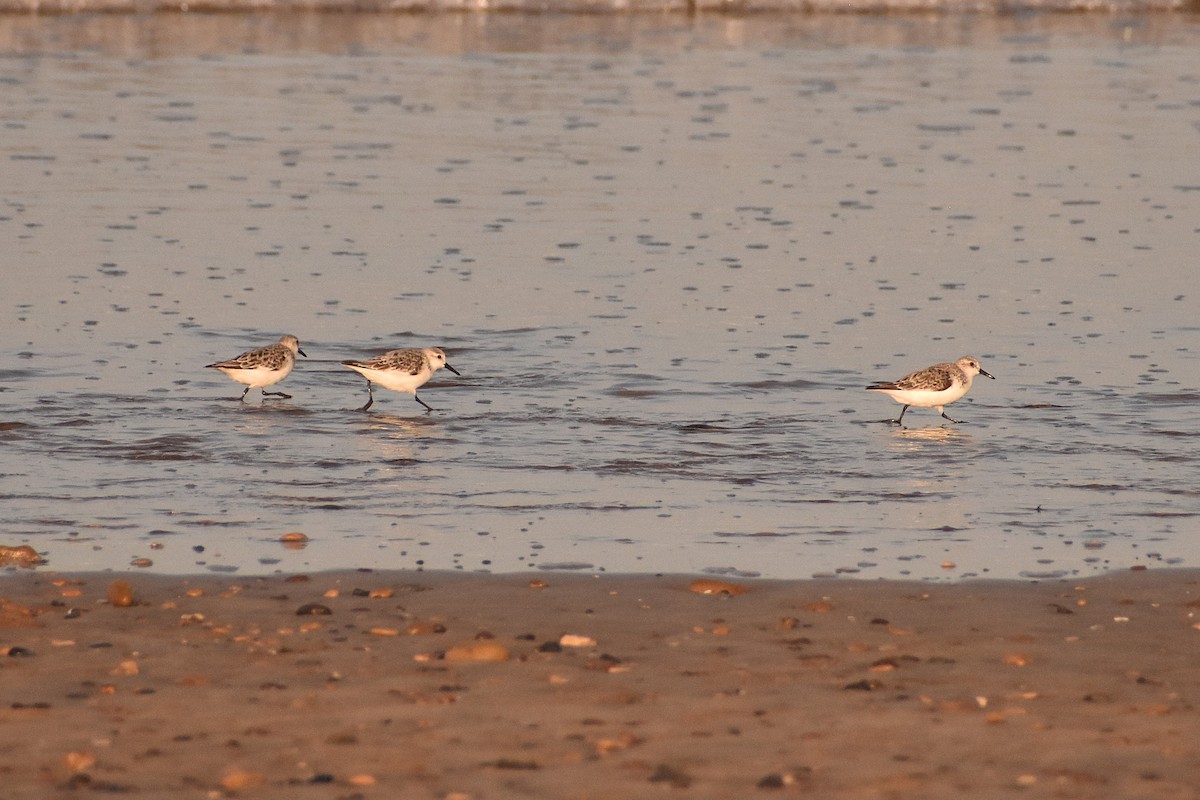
<point x="956" y="421"/>
<point x="897" y="420"/>
<point x="428" y="407"/>
<point x="243" y="397"/>
<point x="370" y="398"/>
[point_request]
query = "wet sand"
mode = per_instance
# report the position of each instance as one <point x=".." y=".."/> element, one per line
<point x="455" y="685"/>
<point x="594" y="6"/>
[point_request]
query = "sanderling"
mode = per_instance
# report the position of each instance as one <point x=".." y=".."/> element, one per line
<point x="264" y="366"/>
<point x="401" y="371"/>
<point x="933" y="387"/>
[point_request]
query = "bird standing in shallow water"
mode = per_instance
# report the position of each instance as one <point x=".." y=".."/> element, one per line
<point x="263" y="367"/>
<point x="933" y="387"/>
<point x="401" y="371"/>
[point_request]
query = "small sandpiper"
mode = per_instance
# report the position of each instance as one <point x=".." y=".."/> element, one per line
<point x="263" y="367"/>
<point x="933" y="387"/>
<point x="401" y="371"/>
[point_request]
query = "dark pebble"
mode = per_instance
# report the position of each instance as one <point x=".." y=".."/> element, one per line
<point x="512" y="763"/>
<point x="676" y="777"/>
<point x="313" y="610"/>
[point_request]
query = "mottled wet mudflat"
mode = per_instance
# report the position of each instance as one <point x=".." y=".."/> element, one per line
<point x="569" y="686"/>
<point x="666" y="256"/>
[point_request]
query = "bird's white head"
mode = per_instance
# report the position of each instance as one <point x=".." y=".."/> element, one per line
<point x="437" y="359"/>
<point x="291" y="343"/>
<point x="970" y="365"/>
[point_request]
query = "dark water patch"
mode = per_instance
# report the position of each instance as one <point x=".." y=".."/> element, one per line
<point x="77" y="422"/>
<point x="672" y="468"/>
<point x="535" y="467"/>
<point x="773" y="385"/>
<point x="629" y="422"/>
<point x="331" y="464"/>
<point x="1163" y="514"/>
<point x="633" y="394"/>
<point x="701" y="427"/>
<point x="160" y="448"/>
<point x="1183" y="398"/>
<point x="560" y="506"/>
<point x="731" y="572"/>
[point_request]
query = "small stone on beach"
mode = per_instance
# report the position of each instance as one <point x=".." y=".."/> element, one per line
<point x="711" y="586"/>
<point x="120" y="594"/>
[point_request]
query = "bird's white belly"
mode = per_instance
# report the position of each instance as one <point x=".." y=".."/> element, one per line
<point x="257" y="377"/>
<point x="397" y="381"/>
<point x="924" y="398"/>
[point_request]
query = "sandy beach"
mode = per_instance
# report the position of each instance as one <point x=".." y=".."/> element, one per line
<point x="556" y="685"/>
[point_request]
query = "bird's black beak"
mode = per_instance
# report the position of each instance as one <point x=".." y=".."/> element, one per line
<point x="452" y="369"/>
<point x="990" y="375"/>
<point x="301" y="352"/>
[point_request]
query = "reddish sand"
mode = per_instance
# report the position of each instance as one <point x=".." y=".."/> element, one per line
<point x="454" y="685"/>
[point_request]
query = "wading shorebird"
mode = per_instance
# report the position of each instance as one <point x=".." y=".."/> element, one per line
<point x="401" y="371"/>
<point x="263" y="367"/>
<point x="933" y="387"/>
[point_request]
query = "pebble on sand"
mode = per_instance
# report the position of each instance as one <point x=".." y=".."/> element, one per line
<point x="383" y="631"/>
<point x="573" y="640"/>
<point x="20" y="556"/>
<point x="294" y="540"/>
<point x="313" y="610"/>
<point x="712" y="586"/>
<point x="120" y="594"/>
<point x="237" y="779"/>
<point x="477" y="651"/>
<point x="15" y="615"/>
<point x="79" y="762"/>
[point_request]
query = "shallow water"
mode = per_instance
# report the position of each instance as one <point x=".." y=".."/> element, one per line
<point x="665" y="262"/>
